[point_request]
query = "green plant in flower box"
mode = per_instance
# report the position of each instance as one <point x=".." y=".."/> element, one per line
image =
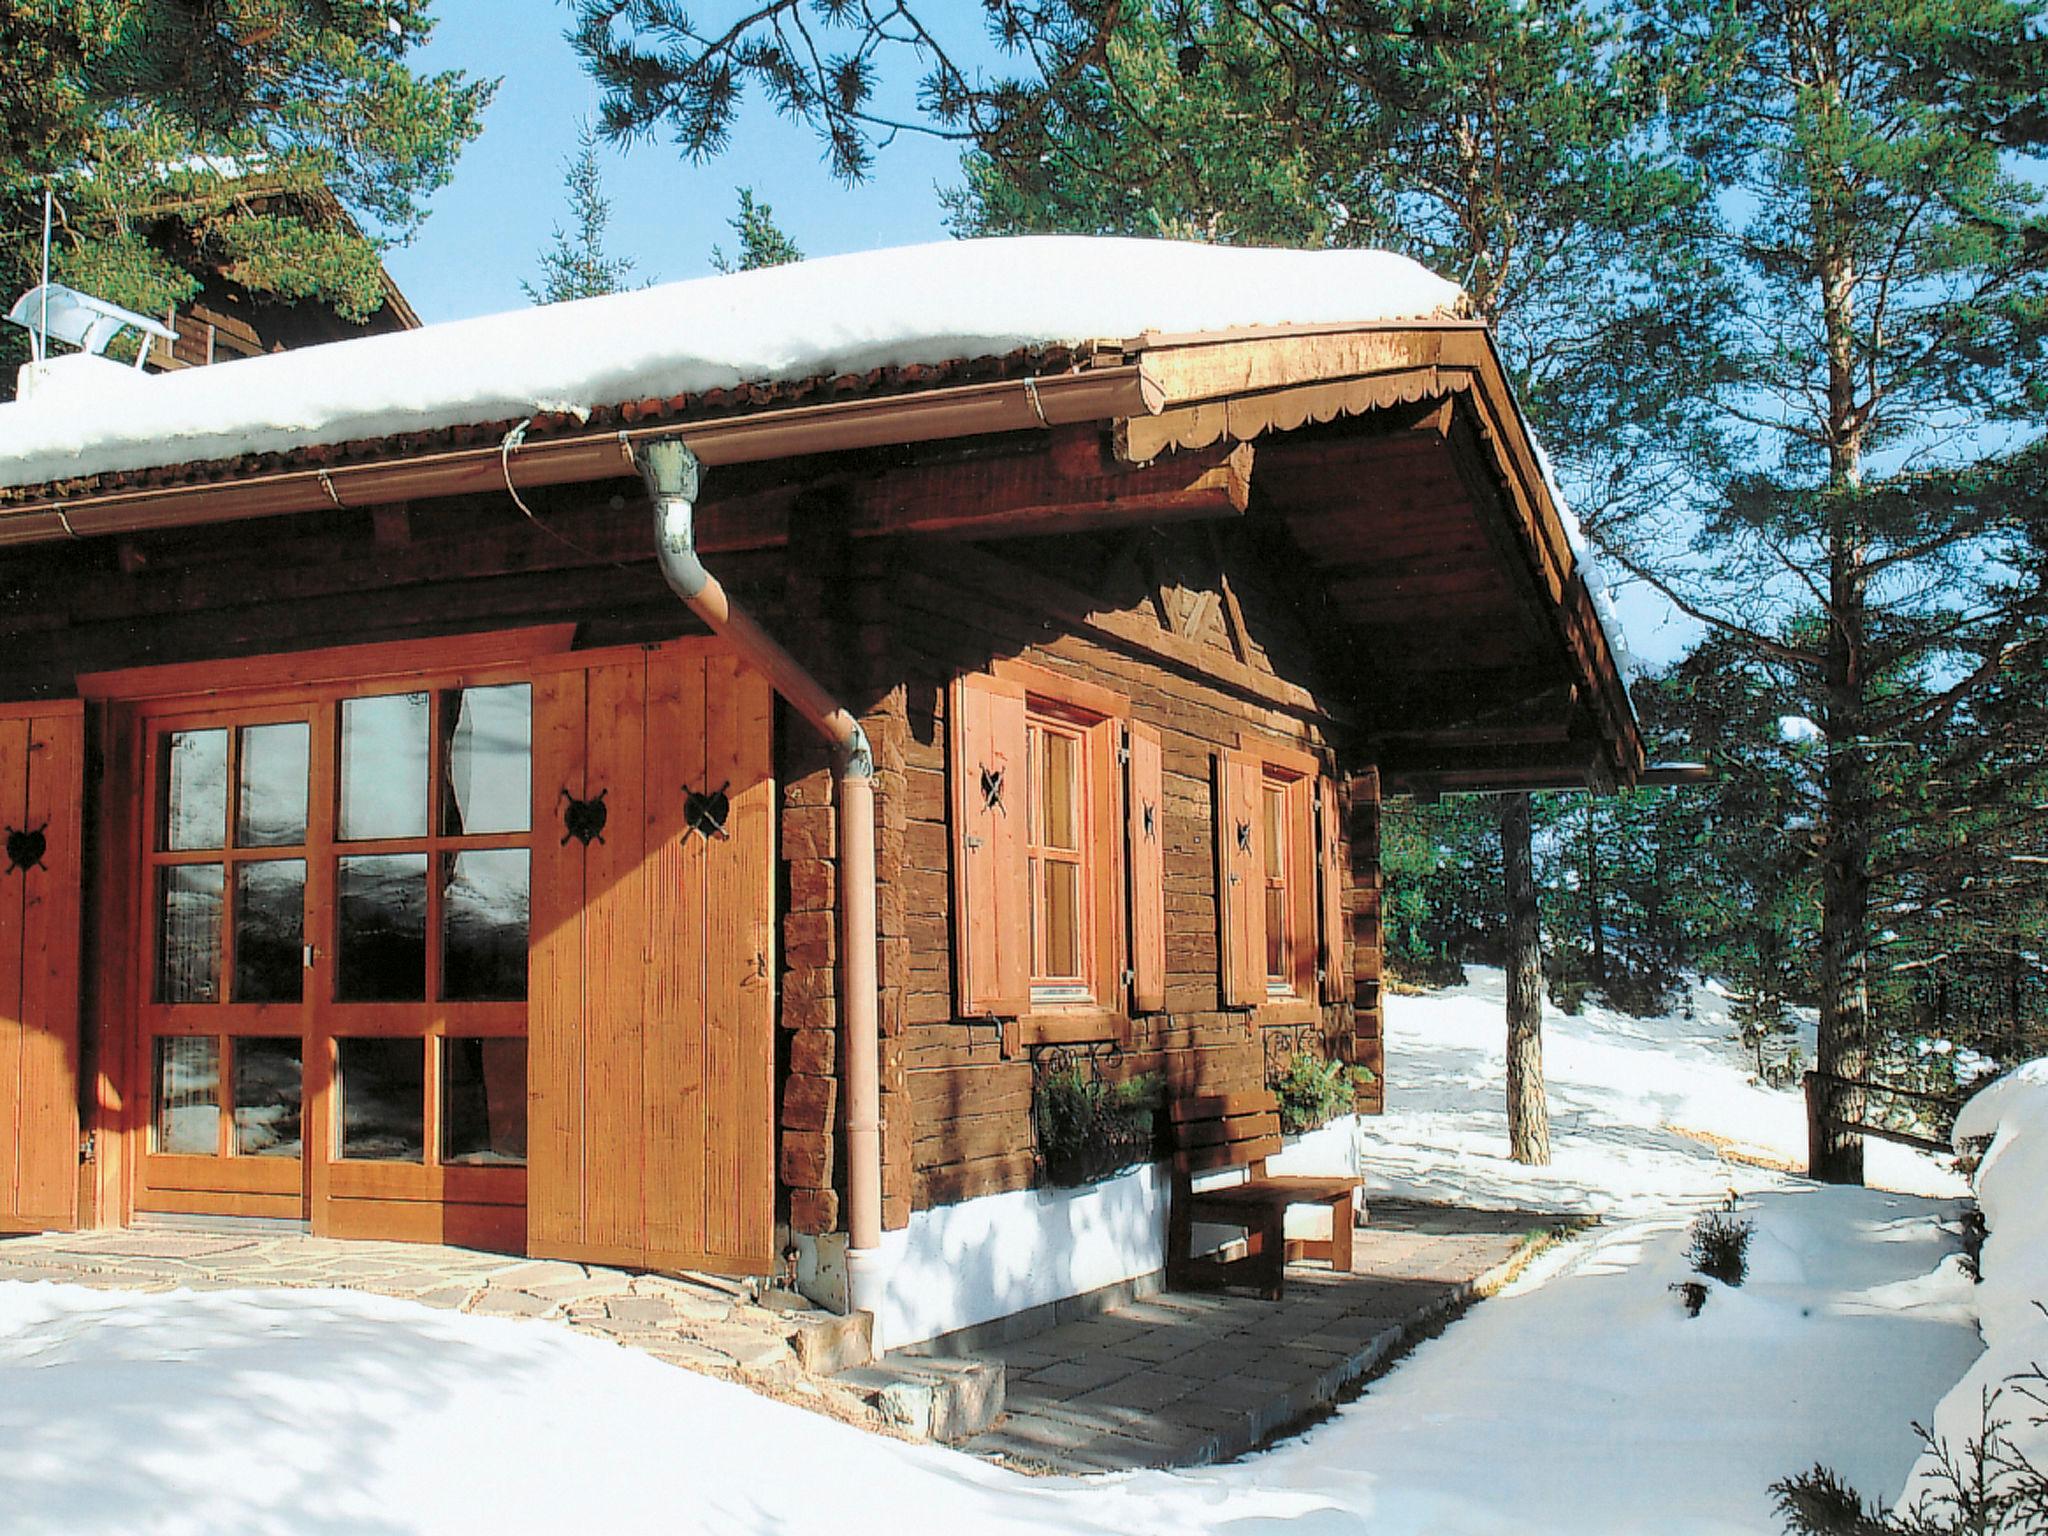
<point x="1312" y="1091"/>
<point x="1089" y="1128"/>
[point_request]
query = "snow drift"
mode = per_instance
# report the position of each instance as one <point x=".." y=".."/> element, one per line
<point x="2009" y="1119"/>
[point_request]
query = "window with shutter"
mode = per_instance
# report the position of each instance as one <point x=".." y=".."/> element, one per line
<point x="991" y="858"/>
<point x="1273" y="923"/>
<point x="1041" y="899"/>
<point x="1145" y="835"/>
<point x="1240" y="860"/>
<point x="1336" y="976"/>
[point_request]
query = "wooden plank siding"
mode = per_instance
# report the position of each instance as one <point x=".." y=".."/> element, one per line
<point x="652" y="1023"/>
<point x="42" y="771"/>
<point x="971" y="1103"/>
<point x="889" y="627"/>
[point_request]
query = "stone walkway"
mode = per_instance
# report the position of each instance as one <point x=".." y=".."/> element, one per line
<point x="725" y="1328"/>
<point x="1180" y="1379"/>
<point x="1171" y="1380"/>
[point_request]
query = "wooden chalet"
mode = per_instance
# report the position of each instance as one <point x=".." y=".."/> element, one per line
<point x="397" y="844"/>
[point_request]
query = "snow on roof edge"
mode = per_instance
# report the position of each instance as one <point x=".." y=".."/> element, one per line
<point x="908" y="305"/>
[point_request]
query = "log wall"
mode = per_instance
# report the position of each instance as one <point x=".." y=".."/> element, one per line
<point x="1194" y="625"/>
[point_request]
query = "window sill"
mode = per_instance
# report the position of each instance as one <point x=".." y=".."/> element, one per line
<point x="1287" y="1010"/>
<point x="1072" y="1024"/>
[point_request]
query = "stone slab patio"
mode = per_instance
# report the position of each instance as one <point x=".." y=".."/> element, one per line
<point x="722" y="1327"/>
<point x="1181" y="1379"/>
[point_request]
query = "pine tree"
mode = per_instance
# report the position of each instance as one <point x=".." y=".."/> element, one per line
<point x="762" y="242"/>
<point x="575" y="265"/>
<point x="225" y="133"/>
<point x="1881" y="209"/>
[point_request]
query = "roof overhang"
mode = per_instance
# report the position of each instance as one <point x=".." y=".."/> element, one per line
<point x="1517" y="687"/>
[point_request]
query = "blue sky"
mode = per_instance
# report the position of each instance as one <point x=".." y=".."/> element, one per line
<point x="488" y="227"/>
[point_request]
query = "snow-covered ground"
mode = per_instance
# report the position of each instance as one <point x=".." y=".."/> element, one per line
<point x="1581" y="1400"/>
<point x="1637" y="1110"/>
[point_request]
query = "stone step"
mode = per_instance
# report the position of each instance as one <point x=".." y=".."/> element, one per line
<point x="827" y="1343"/>
<point x="950" y="1400"/>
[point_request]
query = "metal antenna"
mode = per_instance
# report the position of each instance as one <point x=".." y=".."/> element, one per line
<point x="42" y="337"/>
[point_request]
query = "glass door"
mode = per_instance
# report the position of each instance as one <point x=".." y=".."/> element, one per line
<point x="336" y="898"/>
<point x="420" y="1031"/>
<point x="223" y="1027"/>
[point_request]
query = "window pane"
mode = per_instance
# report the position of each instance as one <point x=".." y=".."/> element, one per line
<point x="383" y="929"/>
<point x="188" y="1095"/>
<point x="489" y="778"/>
<point x="272" y="807"/>
<point x="383" y="1105"/>
<point x="270" y="923"/>
<point x="384" y="767"/>
<point x="483" y="906"/>
<point x="1062" y="920"/>
<point x="195" y="789"/>
<point x="1276" y="832"/>
<point x="483" y="1101"/>
<point x="1059" y="815"/>
<point x="1276" y="931"/>
<point x="267" y="1089"/>
<point x="188" y="905"/>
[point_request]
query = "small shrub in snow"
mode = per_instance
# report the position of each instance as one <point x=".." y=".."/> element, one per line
<point x="1693" y="1294"/>
<point x="1987" y="1488"/>
<point x="1720" y="1247"/>
<point x="1974" y="1232"/>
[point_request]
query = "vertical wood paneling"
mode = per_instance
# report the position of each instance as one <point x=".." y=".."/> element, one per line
<point x="47" y="1186"/>
<point x="14" y="735"/>
<point x="727" y="930"/>
<point x="117" y="817"/>
<point x="652" y="1016"/>
<point x="992" y="873"/>
<point x="740" y="960"/>
<point x="1240" y="879"/>
<point x="614" y="960"/>
<point x="1145" y="807"/>
<point x="554" y="1048"/>
<point x="676" y="1086"/>
<point x="1331" y="892"/>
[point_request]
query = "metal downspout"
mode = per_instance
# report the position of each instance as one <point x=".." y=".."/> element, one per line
<point x="673" y="476"/>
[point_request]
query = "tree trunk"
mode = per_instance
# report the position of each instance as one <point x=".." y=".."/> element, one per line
<point x="1528" y="1107"/>
<point x="1597" y="920"/>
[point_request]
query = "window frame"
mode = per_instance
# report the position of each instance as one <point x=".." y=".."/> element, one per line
<point x="1097" y="718"/>
<point x="1295" y="995"/>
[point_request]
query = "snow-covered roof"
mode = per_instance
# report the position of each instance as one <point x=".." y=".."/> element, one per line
<point x="837" y="315"/>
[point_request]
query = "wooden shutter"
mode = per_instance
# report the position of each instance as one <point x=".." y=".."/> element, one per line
<point x="991" y="875"/>
<point x="1145" y="815"/>
<point x="42" y="771"/>
<point x="1330" y="891"/>
<point x="651" y="1022"/>
<point x="1240" y="869"/>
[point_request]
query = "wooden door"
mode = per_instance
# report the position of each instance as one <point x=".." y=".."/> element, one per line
<point x="653" y="962"/>
<point x="41" y="779"/>
<point x="333" y="902"/>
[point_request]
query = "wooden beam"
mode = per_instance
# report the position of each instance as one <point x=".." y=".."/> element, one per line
<point x="1134" y="631"/>
<point x="391" y="525"/>
<point x="1013" y="494"/>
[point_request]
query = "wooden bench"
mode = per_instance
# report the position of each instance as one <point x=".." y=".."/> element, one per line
<point x="1242" y="1130"/>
